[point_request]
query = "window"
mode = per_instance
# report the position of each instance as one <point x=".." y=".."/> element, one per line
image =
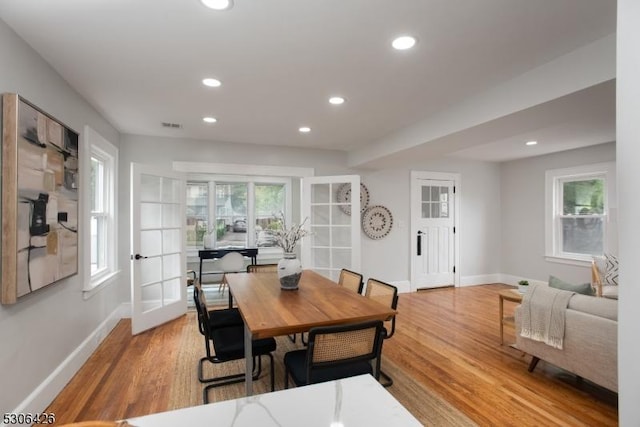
<point x="102" y="171"/>
<point x="579" y="201"/>
<point x="236" y="211"/>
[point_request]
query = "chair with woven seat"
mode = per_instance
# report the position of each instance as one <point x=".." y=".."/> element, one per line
<point x="385" y="294"/>
<point x="228" y="345"/>
<point x="262" y="268"/>
<point x="351" y="280"/>
<point x="335" y="352"/>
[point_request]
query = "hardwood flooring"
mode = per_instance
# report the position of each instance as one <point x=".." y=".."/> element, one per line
<point x="446" y="339"/>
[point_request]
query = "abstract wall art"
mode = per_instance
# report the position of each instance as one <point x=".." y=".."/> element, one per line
<point x="39" y="199"/>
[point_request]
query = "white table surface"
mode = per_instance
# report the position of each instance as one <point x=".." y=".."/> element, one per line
<point x="356" y="401"/>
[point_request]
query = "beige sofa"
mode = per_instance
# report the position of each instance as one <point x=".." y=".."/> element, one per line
<point x="590" y="342"/>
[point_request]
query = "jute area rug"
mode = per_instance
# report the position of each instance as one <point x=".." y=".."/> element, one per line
<point x="186" y="390"/>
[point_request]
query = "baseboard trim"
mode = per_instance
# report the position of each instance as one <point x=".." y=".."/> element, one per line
<point x="404" y="286"/>
<point x="46" y="392"/>
<point x="481" y="279"/>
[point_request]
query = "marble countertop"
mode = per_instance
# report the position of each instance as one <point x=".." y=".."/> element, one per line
<point x="356" y="401"/>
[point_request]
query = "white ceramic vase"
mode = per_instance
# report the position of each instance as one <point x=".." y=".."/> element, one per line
<point x="289" y="271"/>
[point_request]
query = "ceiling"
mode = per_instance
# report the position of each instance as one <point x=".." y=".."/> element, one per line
<point x="140" y="63"/>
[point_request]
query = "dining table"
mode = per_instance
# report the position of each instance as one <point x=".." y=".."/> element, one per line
<point x="269" y="311"/>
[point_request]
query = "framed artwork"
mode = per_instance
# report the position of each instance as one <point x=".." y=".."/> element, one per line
<point x="39" y="199"/>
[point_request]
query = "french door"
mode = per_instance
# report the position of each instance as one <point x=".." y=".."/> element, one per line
<point x="158" y="291"/>
<point x="333" y="217"/>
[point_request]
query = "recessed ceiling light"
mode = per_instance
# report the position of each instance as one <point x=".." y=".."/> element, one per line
<point x="336" y="100"/>
<point x="218" y="4"/>
<point x="403" y="42"/>
<point x="209" y="119"/>
<point x="211" y="82"/>
<point x="304" y="129"/>
<point x="531" y="142"/>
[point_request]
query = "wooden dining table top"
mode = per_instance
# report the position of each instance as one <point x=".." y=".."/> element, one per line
<point x="269" y="311"/>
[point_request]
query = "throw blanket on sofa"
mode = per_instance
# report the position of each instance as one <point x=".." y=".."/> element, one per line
<point x="543" y="314"/>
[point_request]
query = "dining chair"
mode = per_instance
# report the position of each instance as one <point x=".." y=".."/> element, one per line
<point x="232" y="262"/>
<point x="334" y="352"/>
<point x="218" y="318"/>
<point x="262" y="268"/>
<point x="228" y="345"/>
<point x="351" y="280"/>
<point x="388" y="295"/>
<point x="191" y="277"/>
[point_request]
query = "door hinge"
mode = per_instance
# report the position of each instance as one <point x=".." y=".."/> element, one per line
<point x="454" y="189"/>
<point x="454" y="268"/>
<point x="454" y="230"/>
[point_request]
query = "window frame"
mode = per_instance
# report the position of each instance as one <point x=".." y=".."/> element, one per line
<point x="554" y="181"/>
<point x="99" y="148"/>
<point x="251" y="181"/>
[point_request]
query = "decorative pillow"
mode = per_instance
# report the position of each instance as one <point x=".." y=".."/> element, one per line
<point x="584" y="288"/>
<point x="611" y="270"/>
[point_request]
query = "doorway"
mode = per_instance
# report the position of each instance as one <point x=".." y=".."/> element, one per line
<point x="435" y="231"/>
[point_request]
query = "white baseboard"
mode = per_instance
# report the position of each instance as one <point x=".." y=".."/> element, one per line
<point x="404" y="286"/>
<point x="481" y="279"/>
<point x="44" y="394"/>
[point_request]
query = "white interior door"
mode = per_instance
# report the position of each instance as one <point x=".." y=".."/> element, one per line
<point x="334" y="220"/>
<point x="433" y="227"/>
<point x="158" y="264"/>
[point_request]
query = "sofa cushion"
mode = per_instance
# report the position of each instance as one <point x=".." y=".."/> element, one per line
<point x="601" y="307"/>
<point x="610" y="292"/>
<point x="611" y="270"/>
<point x="584" y="288"/>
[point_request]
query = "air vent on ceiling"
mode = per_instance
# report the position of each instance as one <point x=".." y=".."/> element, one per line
<point x="171" y="125"/>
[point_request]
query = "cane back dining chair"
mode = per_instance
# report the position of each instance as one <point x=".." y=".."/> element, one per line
<point x="351" y="280"/>
<point x="388" y="295"/>
<point x="335" y="352"/>
<point x="347" y="279"/>
<point x="228" y="344"/>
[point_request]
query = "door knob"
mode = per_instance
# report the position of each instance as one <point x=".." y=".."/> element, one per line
<point x="138" y="256"/>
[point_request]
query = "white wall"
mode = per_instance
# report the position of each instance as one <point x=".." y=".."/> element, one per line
<point x="628" y="134"/>
<point x="389" y="259"/>
<point x="43" y="329"/>
<point x="523" y="204"/>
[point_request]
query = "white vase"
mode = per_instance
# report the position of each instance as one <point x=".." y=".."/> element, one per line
<point x="289" y="271"/>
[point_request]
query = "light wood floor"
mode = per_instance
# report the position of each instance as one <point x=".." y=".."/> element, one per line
<point x="446" y="339"/>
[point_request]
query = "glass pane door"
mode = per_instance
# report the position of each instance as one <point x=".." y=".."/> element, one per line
<point x="334" y="220"/>
<point x="158" y="263"/>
